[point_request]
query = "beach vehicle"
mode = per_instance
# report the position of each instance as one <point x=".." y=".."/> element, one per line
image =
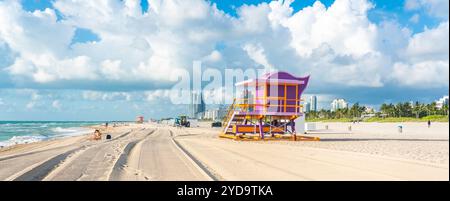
<point x="268" y="107"/>
<point x="182" y="121"/>
<point x="216" y="124"/>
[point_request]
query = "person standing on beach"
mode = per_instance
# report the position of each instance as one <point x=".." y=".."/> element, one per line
<point x="429" y="123"/>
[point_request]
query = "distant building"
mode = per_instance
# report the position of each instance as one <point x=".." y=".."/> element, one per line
<point x="306" y="107"/>
<point x="216" y="114"/>
<point x="338" y="104"/>
<point x="197" y="106"/>
<point x="442" y="102"/>
<point x="313" y="102"/>
<point x="223" y="111"/>
<point x="211" y="114"/>
<point x="369" y="110"/>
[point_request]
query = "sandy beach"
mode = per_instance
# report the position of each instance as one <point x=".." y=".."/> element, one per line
<point x="155" y="152"/>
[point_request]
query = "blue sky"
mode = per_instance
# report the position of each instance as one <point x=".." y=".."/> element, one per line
<point x="71" y="60"/>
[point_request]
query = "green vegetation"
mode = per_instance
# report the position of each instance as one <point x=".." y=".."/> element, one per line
<point x="330" y="120"/>
<point x="439" y="118"/>
<point x="417" y="110"/>
<point x="345" y="114"/>
<point x="400" y="112"/>
<point x="393" y="119"/>
<point x="434" y="118"/>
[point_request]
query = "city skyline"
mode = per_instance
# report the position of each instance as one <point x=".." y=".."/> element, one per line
<point x="313" y="101"/>
<point x="197" y="105"/>
<point x="328" y="105"/>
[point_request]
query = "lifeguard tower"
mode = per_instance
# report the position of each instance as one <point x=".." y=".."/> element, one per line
<point x="266" y="109"/>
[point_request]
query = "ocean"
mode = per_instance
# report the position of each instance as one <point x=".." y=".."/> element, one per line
<point x="22" y="132"/>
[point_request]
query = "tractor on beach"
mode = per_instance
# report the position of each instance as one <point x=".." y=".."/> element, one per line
<point x="182" y="121"/>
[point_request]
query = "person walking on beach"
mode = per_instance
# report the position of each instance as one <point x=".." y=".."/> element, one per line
<point x="429" y="123"/>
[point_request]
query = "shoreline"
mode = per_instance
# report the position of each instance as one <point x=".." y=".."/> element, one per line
<point x="89" y="129"/>
<point x="56" y="139"/>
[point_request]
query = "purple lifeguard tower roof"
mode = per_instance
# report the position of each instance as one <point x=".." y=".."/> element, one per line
<point x="276" y="93"/>
<point x="277" y="77"/>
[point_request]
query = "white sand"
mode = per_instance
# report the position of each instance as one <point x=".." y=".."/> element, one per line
<point x="370" y="151"/>
<point x="417" y="141"/>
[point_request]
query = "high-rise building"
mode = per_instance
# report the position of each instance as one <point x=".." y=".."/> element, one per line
<point x="338" y="104"/>
<point x="306" y="107"/>
<point x="313" y="103"/>
<point x="442" y="102"/>
<point x="223" y="111"/>
<point x="197" y="107"/>
<point x="211" y="114"/>
<point x="215" y="114"/>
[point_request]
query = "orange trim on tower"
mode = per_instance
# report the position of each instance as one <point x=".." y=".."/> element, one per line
<point x="285" y="96"/>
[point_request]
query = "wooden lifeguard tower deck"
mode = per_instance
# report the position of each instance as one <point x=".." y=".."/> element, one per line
<point x="267" y="109"/>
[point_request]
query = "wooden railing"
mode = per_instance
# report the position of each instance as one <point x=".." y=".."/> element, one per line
<point x="243" y="105"/>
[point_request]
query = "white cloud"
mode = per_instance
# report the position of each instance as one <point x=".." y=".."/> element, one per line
<point x="30" y="105"/>
<point x="92" y="95"/>
<point x="112" y="69"/>
<point x="155" y="95"/>
<point x="56" y="104"/>
<point x="427" y="74"/>
<point x="338" y="43"/>
<point x="344" y="26"/>
<point x="415" y="18"/>
<point x="252" y="19"/>
<point x="436" y="8"/>
<point x="23" y="30"/>
<point x="281" y="11"/>
<point x="106" y="96"/>
<point x="214" y="56"/>
<point x="41" y="54"/>
<point x="412" y="4"/>
<point x="121" y="96"/>
<point x="256" y="53"/>
<point x="432" y="44"/>
<point x="35" y="98"/>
